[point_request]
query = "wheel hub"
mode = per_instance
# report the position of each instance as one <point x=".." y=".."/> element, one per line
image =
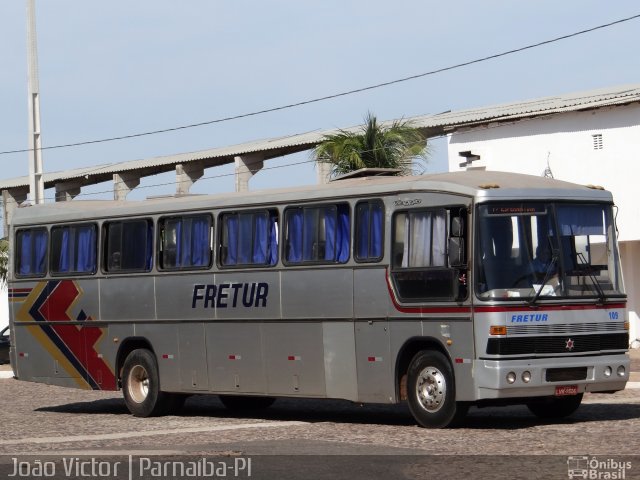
<point x="431" y="389"/>
<point x="138" y="384"/>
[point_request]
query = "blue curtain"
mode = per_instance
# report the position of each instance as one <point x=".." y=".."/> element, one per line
<point x="232" y="232"/>
<point x="252" y="239"/>
<point x="376" y="231"/>
<point x="305" y="241"/>
<point x="65" y="259"/>
<point x="344" y="234"/>
<point x="40" y="249"/>
<point x="86" y="247"/>
<point x="331" y="234"/>
<point x="245" y="236"/>
<point x="183" y="241"/>
<point x="294" y="232"/>
<point x="309" y="233"/>
<point x="26" y="265"/>
<point x="260" y="239"/>
<point x="201" y="250"/>
<point x="32" y="245"/>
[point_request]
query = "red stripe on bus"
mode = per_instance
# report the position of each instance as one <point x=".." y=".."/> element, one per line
<point x="519" y="308"/>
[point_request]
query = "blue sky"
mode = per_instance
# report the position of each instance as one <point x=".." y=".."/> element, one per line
<point x="121" y="67"/>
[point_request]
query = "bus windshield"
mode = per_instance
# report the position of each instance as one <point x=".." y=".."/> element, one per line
<point x="540" y="249"/>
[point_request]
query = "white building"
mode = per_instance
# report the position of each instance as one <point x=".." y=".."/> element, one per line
<point x="586" y="138"/>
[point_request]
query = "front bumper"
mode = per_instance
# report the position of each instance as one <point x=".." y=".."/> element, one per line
<point x="491" y="375"/>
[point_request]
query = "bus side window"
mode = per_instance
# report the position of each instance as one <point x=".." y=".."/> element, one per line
<point x="31" y="252"/>
<point x="369" y="231"/>
<point x="185" y="242"/>
<point x="420" y="263"/>
<point x="128" y="246"/>
<point x="73" y="249"/>
<point x="317" y="234"/>
<point x="249" y="239"/>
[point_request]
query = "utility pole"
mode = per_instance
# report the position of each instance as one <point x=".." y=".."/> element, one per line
<point x="36" y="181"/>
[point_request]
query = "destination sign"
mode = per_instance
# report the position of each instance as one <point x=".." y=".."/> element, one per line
<point x="531" y="209"/>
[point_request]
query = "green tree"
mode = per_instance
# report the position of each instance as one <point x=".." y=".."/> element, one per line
<point x="398" y="145"/>
<point x="4" y="260"/>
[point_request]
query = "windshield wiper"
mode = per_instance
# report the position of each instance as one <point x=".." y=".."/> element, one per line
<point x="594" y="279"/>
<point x="547" y="277"/>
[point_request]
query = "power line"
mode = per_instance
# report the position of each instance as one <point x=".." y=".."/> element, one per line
<point x="313" y="160"/>
<point x="335" y="95"/>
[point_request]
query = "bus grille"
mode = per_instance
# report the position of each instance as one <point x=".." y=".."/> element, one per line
<point x="564" y="328"/>
<point x="557" y="344"/>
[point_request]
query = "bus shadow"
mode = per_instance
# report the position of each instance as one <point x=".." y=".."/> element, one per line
<point x="519" y="417"/>
<point x="341" y="411"/>
<point x="110" y="406"/>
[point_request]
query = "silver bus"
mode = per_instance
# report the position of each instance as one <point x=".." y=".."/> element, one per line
<point x="442" y="291"/>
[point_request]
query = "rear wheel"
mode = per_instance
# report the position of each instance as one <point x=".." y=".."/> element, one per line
<point x="555" y="407"/>
<point x="141" y="386"/>
<point x="431" y="391"/>
<point x="238" y="402"/>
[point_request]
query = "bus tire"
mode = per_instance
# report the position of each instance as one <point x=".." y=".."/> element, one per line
<point x="241" y="402"/>
<point x="555" y="407"/>
<point x="431" y="391"/>
<point x="141" y="385"/>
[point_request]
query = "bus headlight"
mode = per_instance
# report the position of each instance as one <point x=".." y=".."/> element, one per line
<point x="621" y="371"/>
<point x="607" y="372"/>
<point x="511" y="377"/>
<point x="526" y="376"/>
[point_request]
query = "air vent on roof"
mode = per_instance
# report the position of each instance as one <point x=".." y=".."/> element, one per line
<point x="597" y="141"/>
<point x="369" y="172"/>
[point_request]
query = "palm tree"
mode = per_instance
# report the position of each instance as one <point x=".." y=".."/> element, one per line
<point x="4" y="260"/>
<point x="398" y="145"/>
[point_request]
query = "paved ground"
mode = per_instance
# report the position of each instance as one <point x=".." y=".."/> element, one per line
<point x="303" y="436"/>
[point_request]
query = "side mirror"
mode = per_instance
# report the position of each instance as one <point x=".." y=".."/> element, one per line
<point x="456" y="251"/>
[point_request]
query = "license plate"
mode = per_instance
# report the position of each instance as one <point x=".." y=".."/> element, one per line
<point x="565" y="390"/>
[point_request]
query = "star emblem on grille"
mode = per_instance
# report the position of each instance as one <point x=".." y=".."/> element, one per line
<point x="569" y="345"/>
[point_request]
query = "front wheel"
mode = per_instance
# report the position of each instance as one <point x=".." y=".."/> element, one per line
<point x="555" y="407"/>
<point x="431" y="391"/>
<point x="141" y="385"/>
